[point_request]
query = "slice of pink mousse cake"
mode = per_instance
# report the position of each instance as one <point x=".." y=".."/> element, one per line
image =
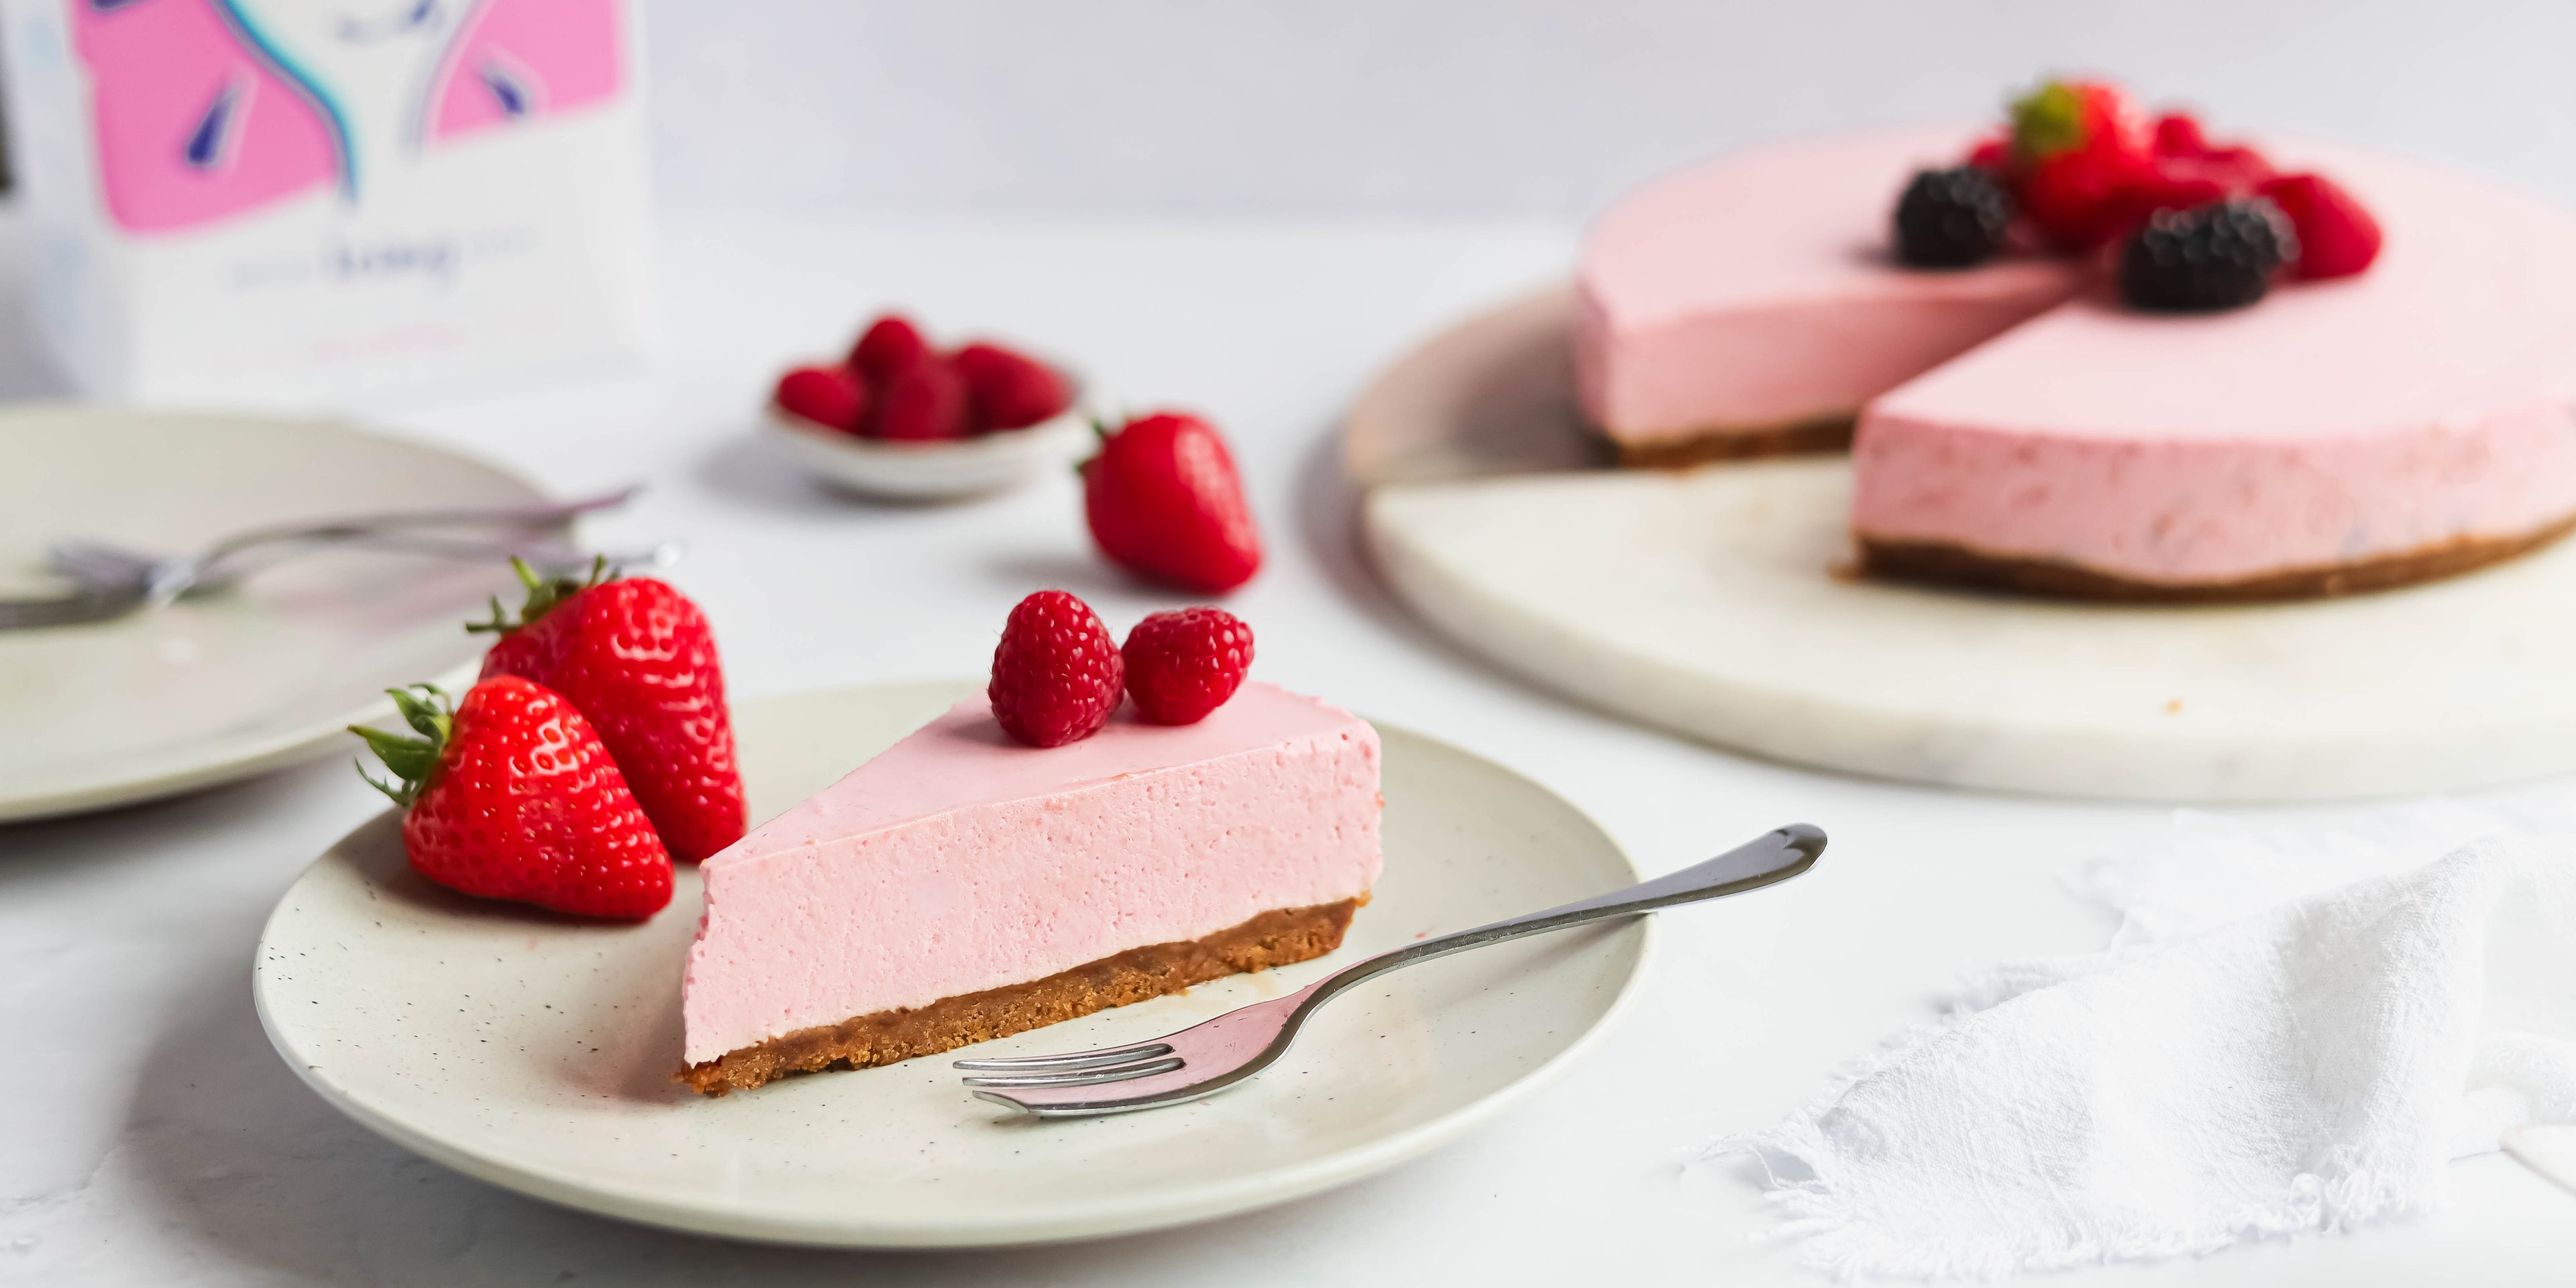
<point x="1750" y="305"/>
<point x="2408" y="423"/>
<point x="961" y="887"/>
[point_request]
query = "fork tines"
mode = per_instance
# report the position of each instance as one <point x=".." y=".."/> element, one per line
<point x="1077" y="1069"/>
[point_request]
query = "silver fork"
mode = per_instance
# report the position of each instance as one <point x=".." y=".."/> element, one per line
<point x="110" y="581"/>
<point x="106" y="600"/>
<point x="1216" y="1054"/>
<point x="99" y="566"/>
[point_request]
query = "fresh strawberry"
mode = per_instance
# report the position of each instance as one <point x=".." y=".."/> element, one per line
<point x="890" y="344"/>
<point x="1182" y="665"/>
<point x="921" y="403"/>
<point x="1164" y="501"/>
<point x="2337" y="235"/>
<point x="636" y="657"/>
<point x="1056" y="673"/>
<point x="2079" y="147"/>
<point x="831" y="396"/>
<point x="2080" y="201"/>
<point x="511" y="796"/>
<point x="1006" y="390"/>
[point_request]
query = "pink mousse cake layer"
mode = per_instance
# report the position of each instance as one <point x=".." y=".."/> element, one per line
<point x="1757" y="290"/>
<point x="960" y="860"/>
<point x="2425" y="402"/>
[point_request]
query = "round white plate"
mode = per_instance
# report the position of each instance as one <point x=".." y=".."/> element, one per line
<point x="1709" y="602"/>
<point x="932" y="471"/>
<point x="217" y="688"/>
<point x="537" y="1054"/>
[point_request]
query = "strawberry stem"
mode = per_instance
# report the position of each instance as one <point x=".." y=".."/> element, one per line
<point x="1100" y="429"/>
<point x="545" y="594"/>
<point x="411" y="760"/>
<point x="2047" y="121"/>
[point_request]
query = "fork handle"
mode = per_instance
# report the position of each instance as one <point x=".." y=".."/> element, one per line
<point x="1775" y="856"/>
<point x="513" y="516"/>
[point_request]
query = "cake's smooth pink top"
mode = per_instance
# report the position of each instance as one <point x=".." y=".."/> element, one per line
<point x="2426" y="401"/>
<point x="960" y="860"/>
<point x="1757" y="290"/>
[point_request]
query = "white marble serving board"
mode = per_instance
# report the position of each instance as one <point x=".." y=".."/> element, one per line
<point x="1712" y="602"/>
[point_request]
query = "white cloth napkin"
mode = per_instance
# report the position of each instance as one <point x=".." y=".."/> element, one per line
<point x="2294" y="1030"/>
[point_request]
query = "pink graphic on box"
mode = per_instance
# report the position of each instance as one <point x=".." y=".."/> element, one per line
<point x="199" y="117"/>
<point x="515" y="59"/>
<point x="191" y="127"/>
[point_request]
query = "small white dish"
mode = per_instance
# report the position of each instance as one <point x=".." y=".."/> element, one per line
<point x="536" y="1053"/>
<point x="936" y="471"/>
<point x="258" y="676"/>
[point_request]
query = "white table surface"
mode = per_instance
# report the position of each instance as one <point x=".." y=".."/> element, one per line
<point x="153" y="1137"/>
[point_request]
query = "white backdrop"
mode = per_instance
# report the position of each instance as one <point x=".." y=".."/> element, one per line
<point x="1533" y="107"/>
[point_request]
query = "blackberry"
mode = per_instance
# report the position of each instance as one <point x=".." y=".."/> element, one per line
<point x="2216" y="256"/>
<point x="1951" y="218"/>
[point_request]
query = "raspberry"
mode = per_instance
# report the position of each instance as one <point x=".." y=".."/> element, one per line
<point x="890" y="344"/>
<point x="1992" y="154"/>
<point x="1183" y="665"/>
<point x="2180" y="181"/>
<point x="2179" y="134"/>
<point x="1056" y="673"/>
<point x="829" y="396"/>
<point x="2337" y="235"/>
<point x="1005" y="390"/>
<point x="2218" y="256"/>
<point x="1952" y="218"/>
<point x="922" y="402"/>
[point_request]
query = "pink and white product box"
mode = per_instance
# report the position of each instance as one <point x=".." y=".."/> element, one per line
<point x="289" y="201"/>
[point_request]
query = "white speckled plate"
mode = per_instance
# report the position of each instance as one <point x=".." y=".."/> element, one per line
<point x="213" y="689"/>
<point x="537" y="1054"/>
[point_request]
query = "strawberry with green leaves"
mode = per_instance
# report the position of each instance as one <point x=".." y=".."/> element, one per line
<point x="2079" y="149"/>
<point x="509" y="795"/>
<point x="639" y="661"/>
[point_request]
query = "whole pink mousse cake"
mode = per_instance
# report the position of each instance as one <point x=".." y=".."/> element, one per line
<point x="1750" y="305"/>
<point x="2409" y="422"/>
<point x="961" y="886"/>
